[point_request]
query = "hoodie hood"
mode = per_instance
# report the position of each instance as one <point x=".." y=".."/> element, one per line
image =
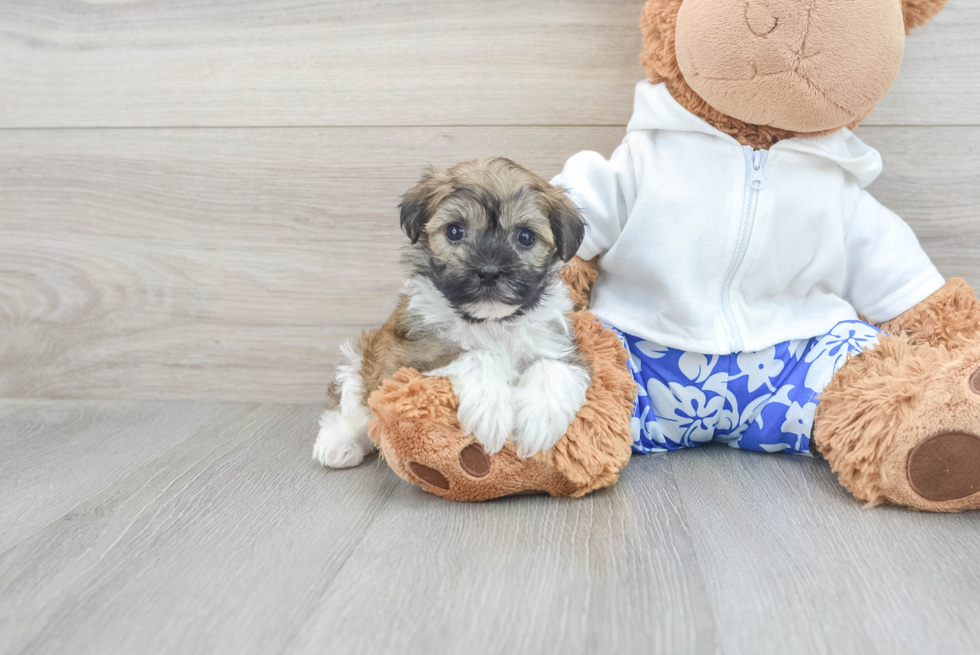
<point x="655" y="109"/>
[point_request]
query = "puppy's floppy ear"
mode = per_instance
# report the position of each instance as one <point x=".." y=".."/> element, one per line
<point x="567" y="226"/>
<point x="421" y="200"/>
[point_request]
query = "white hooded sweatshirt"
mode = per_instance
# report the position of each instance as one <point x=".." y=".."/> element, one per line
<point x="711" y="247"/>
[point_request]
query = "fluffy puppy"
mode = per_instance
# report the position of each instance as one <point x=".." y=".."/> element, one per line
<point x="482" y="305"/>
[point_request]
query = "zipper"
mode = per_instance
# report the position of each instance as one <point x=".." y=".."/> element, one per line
<point x="755" y="161"/>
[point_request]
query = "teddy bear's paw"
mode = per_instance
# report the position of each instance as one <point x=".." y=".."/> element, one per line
<point x="929" y="454"/>
<point x="339" y="444"/>
<point x="945" y="464"/>
<point x="548" y="397"/>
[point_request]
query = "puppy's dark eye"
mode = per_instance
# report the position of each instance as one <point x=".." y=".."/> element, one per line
<point x="455" y="232"/>
<point x="526" y="237"/>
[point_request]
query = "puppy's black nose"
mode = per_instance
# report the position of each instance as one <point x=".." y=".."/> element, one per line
<point x="488" y="273"/>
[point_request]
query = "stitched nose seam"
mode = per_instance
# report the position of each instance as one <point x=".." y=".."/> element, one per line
<point x="796" y="67"/>
<point x="759" y="18"/>
<point x="761" y="21"/>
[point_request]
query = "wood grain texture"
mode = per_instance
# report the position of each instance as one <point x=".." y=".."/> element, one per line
<point x="779" y="537"/>
<point x="614" y="573"/>
<point x="230" y="264"/>
<point x="52" y="456"/>
<point x="234" y="541"/>
<point x="222" y="264"/>
<point x="215" y="547"/>
<point x="396" y="62"/>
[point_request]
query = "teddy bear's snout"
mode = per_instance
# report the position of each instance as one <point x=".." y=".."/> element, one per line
<point x="801" y="66"/>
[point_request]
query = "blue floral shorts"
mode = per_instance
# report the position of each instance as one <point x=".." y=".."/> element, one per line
<point x="756" y="401"/>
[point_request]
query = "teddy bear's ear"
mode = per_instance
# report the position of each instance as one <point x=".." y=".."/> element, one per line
<point x="657" y="22"/>
<point x="919" y="12"/>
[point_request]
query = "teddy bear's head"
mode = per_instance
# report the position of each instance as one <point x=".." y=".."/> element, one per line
<point x="765" y="70"/>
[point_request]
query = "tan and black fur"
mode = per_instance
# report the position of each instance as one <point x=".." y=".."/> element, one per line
<point x="393" y="346"/>
<point x="490" y="199"/>
<point x="513" y="231"/>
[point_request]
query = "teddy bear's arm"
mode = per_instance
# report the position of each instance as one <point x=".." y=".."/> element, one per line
<point x="891" y="281"/>
<point x="579" y="275"/>
<point x="948" y="318"/>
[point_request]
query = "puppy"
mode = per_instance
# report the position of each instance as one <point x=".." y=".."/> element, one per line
<point x="482" y="305"/>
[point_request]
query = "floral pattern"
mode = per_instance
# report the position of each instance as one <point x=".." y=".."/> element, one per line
<point x="761" y="401"/>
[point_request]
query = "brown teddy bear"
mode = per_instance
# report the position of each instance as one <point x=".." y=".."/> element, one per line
<point x="764" y="298"/>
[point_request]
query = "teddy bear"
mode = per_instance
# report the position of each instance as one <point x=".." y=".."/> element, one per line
<point x="737" y="283"/>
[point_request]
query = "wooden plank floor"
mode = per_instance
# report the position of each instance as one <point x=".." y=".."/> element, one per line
<point x="176" y="527"/>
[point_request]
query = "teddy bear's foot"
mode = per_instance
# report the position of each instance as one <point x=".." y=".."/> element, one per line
<point x="474" y="475"/>
<point x="473" y="460"/>
<point x="901" y="424"/>
<point x="417" y="432"/>
<point x="943" y="461"/>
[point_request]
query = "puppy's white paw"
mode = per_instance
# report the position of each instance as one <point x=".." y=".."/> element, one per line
<point x="548" y="398"/>
<point x="487" y="414"/>
<point x="538" y="429"/>
<point x="340" y="445"/>
<point x="486" y="399"/>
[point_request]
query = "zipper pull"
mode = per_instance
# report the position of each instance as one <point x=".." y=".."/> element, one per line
<point x="756" y="179"/>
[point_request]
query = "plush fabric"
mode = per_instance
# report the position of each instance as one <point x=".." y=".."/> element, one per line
<point x="920" y="383"/>
<point x="659" y="58"/>
<point x="801" y="66"/>
<point x="579" y="276"/>
<point x="888" y="400"/>
<point x="658" y="24"/>
<point x="919" y="12"/>
<point x="949" y="320"/>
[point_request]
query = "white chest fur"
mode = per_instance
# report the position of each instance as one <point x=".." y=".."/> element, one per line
<point x="515" y="378"/>
<point x="545" y="332"/>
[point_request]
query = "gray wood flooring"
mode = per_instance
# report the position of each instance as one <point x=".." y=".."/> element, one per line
<point x="188" y="527"/>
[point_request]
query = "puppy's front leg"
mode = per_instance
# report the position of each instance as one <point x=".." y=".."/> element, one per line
<point x="549" y="395"/>
<point x="486" y="404"/>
